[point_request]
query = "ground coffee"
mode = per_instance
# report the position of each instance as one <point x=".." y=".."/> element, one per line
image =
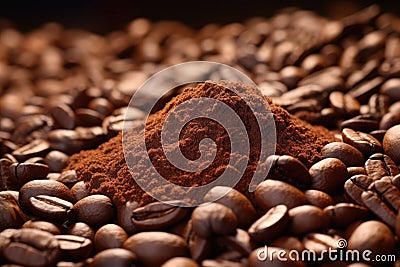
<point x="104" y="169"/>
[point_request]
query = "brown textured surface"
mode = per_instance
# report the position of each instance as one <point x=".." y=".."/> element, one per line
<point x="105" y="171"/>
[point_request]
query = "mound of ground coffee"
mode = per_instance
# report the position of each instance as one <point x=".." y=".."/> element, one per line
<point x="105" y="171"/>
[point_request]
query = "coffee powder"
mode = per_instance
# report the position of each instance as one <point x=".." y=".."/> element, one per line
<point x="105" y="171"/>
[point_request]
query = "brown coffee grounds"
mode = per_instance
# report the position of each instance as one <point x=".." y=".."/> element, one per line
<point x="105" y="171"/>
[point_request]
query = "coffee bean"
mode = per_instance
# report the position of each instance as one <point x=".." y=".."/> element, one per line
<point x="389" y="193"/>
<point x="101" y="105"/>
<point x="360" y="124"/>
<point x="291" y="75"/>
<point x="212" y="219"/>
<point x="289" y="243"/>
<point x="314" y="63"/>
<point x="319" y="243"/>
<point x="220" y="263"/>
<point x="344" y="104"/>
<point x="44" y="226"/>
<point x="79" y="191"/>
<point x="50" y="208"/>
<point x="39" y="160"/>
<point x="389" y="120"/>
<point x="343" y="214"/>
<point x="378" y="134"/>
<point x="307" y="219"/>
<point x="158" y="215"/>
<point x="109" y="236"/>
<point x="29" y="128"/>
<point x="114" y="257"/>
<point x="25" y="172"/>
<point x="366" y="89"/>
<point x="124" y="216"/>
<point x="391" y="89"/>
<point x="365" y="143"/>
<point x="32" y="248"/>
<point x="391" y="143"/>
<point x="396" y="181"/>
<point x="328" y="175"/>
<point x="11" y="215"/>
<point x="56" y="160"/>
<point x="63" y="115"/>
<point x="180" y="262"/>
<point x="88" y="117"/>
<point x="241" y="243"/>
<point x="81" y="229"/>
<point x="270" y="193"/>
<point x="74" y="248"/>
<point x="318" y="198"/>
<point x="94" y="210"/>
<point x="289" y="169"/>
<point x="375" y="204"/>
<point x="236" y="201"/>
<point x="379" y="165"/>
<point x="36" y="148"/>
<point x="270" y="225"/>
<point x="379" y="241"/>
<point x="378" y="106"/>
<point x="42" y="187"/>
<point x="351" y="171"/>
<point x="155" y="248"/>
<point x="69" y="178"/>
<point x="356" y="185"/>
<point x="344" y="152"/>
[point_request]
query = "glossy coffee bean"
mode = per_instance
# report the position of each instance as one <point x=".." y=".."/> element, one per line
<point x="213" y="218"/>
<point x="318" y="198"/>
<point x="270" y="225"/>
<point x="109" y="236"/>
<point x="356" y="185"/>
<point x="328" y="175"/>
<point x="391" y="88"/>
<point x="56" y="160"/>
<point x="31" y="248"/>
<point x="63" y="115"/>
<point x="180" y="262"/>
<point x="25" y="172"/>
<point x="307" y="219"/>
<point x="11" y="215"/>
<point x="42" y="187"/>
<point x="199" y="248"/>
<point x="241" y="242"/>
<point x="379" y="241"/>
<point x="101" y="105"/>
<point x="365" y="143"/>
<point x="94" y="210"/>
<point x="44" y="226"/>
<point x="50" y="208"/>
<point x="114" y="257"/>
<point x="346" y="153"/>
<point x="69" y="178"/>
<point x="36" y="148"/>
<point x="74" y="248"/>
<point x="236" y="201"/>
<point x="270" y="193"/>
<point x="343" y="214"/>
<point x="124" y="216"/>
<point x="351" y="171"/>
<point x="81" y="229"/>
<point x="377" y="205"/>
<point x="391" y="143"/>
<point x="289" y="243"/>
<point x="379" y="165"/>
<point x="79" y="191"/>
<point x="88" y="117"/>
<point x="344" y="104"/>
<point x="158" y="215"/>
<point x="155" y="248"/>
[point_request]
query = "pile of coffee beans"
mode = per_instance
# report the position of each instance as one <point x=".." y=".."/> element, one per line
<point x="67" y="90"/>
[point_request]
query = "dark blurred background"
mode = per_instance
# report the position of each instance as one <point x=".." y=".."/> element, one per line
<point x="103" y="16"/>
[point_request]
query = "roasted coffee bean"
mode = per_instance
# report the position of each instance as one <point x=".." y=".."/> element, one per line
<point x="389" y="120"/>
<point x="32" y="248"/>
<point x="348" y="154"/>
<point x="388" y="192"/>
<point x="114" y="257"/>
<point x="50" y="208"/>
<point x="391" y="89"/>
<point x="236" y="201"/>
<point x="378" y="134"/>
<point x="291" y="75"/>
<point x="356" y="185"/>
<point x="270" y="193"/>
<point x="391" y="143"/>
<point x="44" y="226"/>
<point x="376" y="205"/>
<point x="74" y="248"/>
<point x="88" y="117"/>
<point x="200" y="248"/>
<point x="351" y="171"/>
<point x="36" y="148"/>
<point x="29" y="128"/>
<point x="94" y="210"/>
<point x="81" y="229"/>
<point x="155" y="248"/>
<point x="56" y="160"/>
<point x="307" y="219"/>
<point x="124" y="216"/>
<point x="158" y="215"/>
<point x="101" y="105"/>
<point x="380" y="241"/>
<point x="314" y="63"/>
<point x="378" y="106"/>
<point x="69" y="178"/>
<point x="241" y="242"/>
<point x="221" y="263"/>
<point x="344" y="104"/>
<point x="360" y="123"/>
<point x="370" y="44"/>
<point x="180" y="262"/>
<point x="396" y="181"/>
<point x="268" y="256"/>
<point x="11" y="215"/>
<point x="367" y="72"/>
<point x="379" y="165"/>
<point x="272" y="88"/>
<point x="365" y="143"/>
<point x="320" y="243"/>
<point x="343" y="214"/>
<point x="39" y="160"/>
<point x="63" y="115"/>
<point x="318" y="198"/>
<point x="109" y="236"/>
<point x="289" y="169"/>
<point x="270" y="225"/>
<point x="7" y="178"/>
<point x="328" y="175"/>
<point x="79" y="191"/>
<point x="366" y="89"/>
<point x="25" y="172"/>
<point x="213" y="218"/>
<point x="289" y="243"/>
<point x="42" y="187"/>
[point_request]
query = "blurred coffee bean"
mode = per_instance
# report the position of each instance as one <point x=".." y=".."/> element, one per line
<point x="391" y="88"/>
<point x="88" y="117"/>
<point x="328" y="175"/>
<point x="307" y="219"/>
<point x="291" y="75"/>
<point x="378" y="105"/>
<point x="344" y="104"/>
<point x="360" y="123"/>
<point x="270" y="193"/>
<point x="44" y="226"/>
<point x="272" y="88"/>
<point x="155" y="248"/>
<point x="74" y="248"/>
<point x="343" y="214"/>
<point x="95" y="210"/>
<point x="314" y="62"/>
<point x="11" y="215"/>
<point x="236" y="201"/>
<point x="39" y="160"/>
<point x="63" y="115"/>
<point x="288" y="242"/>
<point x="348" y="154"/>
<point x="81" y="229"/>
<point x="109" y="236"/>
<point x="370" y="44"/>
<point x="391" y="143"/>
<point x="389" y="120"/>
<point x="365" y="143"/>
<point x="379" y="165"/>
<point x="29" y="128"/>
<point x="378" y="134"/>
<point x="101" y="105"/>
<point x="180" y="262"/>
<point x="56" y="160"/>
<point x="318" y="198"/>
<point x="213" y="218"/>
<point x="366" y="89"/>
<point x="79" y="191"/>
<point x="318" y="243"/>
<point x="270" y="225"/>
<point x="114" y="257"/>
<point x="36" y="148"/>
